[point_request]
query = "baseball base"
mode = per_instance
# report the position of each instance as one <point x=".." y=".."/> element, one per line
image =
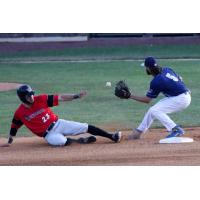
<point x="176" y="140"/>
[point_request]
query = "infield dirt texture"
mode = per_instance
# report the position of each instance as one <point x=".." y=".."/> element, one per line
<point x="147" y="151"/>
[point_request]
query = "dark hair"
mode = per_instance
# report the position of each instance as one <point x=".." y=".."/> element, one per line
<point x="154" y="70"/>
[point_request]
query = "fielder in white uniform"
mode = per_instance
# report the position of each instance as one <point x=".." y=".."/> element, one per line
<point x="177" y="98"/>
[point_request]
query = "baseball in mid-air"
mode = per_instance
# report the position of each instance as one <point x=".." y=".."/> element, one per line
<point x="108" y="84"/>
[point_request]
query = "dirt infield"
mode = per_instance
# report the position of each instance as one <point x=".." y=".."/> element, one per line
<point x="35" y="151"/>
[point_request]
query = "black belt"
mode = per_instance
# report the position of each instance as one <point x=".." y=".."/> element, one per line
<point x="49" y="128"/>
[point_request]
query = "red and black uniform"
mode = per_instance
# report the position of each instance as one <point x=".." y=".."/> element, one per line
<point x="38" y="117"/>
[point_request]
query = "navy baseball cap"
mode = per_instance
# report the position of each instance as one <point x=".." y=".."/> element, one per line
<point x="150" y="62"/>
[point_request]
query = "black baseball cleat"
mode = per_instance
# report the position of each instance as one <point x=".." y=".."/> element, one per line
<point x="116" y="137"/>
<point x="87" y="140"/>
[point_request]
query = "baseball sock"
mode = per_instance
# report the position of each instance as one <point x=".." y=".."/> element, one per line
<point x="69" y="141"/>
<point x="97" y="131"/>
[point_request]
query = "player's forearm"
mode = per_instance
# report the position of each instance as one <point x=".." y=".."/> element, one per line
<point x="13" y="132"/>
<point x="144" y="99"/>
<point x="68" y="97"/>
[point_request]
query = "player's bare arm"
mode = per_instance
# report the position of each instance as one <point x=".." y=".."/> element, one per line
<point x="70" y="97"/>
<point x="143" y="99"/>
<point x="123" y="92"/>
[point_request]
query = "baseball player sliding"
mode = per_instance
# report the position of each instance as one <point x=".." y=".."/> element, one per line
<point x="177" y="98"/>
<point x="36" y="115"/>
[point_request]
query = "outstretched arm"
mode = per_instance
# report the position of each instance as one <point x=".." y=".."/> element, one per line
<point x="70" y="97"/>
<point x="143" y="99"/>
<point x="15" y="125"/>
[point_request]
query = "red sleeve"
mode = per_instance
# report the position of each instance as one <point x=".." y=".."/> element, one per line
<point x="43" y="99"/>
<point x="55" y="100"/>
<point x="48" y="100"/>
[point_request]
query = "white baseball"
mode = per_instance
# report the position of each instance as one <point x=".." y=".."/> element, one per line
<point x="108" y="84"/>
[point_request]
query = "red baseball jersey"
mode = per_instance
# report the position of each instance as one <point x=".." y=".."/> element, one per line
<point x="39" y="116"/>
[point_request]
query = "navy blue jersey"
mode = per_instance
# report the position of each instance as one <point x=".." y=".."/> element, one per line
<point x="168" y="83"/>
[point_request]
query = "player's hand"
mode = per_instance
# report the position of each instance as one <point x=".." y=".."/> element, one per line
<point x="82" y="94"/>
<point x="10" y="140"/>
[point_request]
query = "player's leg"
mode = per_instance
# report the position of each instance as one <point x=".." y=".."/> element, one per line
<point x="182" y="101"/>
<point x="58" y="139"/>
<point x="62" y="128"/>
<point x="170" y="105"/>
<point x="159" y="111"/>
<point x="152" y="114"/>
<point x="55" y="139"/>
<point x="116" y="137"/>
<point x="76" y="128"/>
<point x="143" y="127"/>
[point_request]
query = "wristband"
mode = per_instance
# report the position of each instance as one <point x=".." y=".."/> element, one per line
<point x="76" y="96"/>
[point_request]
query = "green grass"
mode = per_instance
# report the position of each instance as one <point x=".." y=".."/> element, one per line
<point x="100" y="107"/>
<point x="132" y="51"/>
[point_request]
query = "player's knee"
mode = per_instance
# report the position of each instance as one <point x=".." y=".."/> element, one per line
<point x="56" y="142"/>
<point x="55" y="139"/>
<point x="153" y="111"/>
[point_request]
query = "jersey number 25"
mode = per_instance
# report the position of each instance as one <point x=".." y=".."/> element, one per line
<point x="45" y="118"/>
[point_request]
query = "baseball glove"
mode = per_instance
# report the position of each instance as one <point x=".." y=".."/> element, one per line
<point x="122" y="90"/>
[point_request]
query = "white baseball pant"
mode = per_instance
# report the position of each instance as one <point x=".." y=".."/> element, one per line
<point x="160" y="110"/>
<point x="62" y="128"/>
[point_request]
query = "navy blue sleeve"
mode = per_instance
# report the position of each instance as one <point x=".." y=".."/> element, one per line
<point x="154" y="90"/>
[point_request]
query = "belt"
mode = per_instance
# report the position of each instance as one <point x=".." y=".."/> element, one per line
<point x="49" y="128"/>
